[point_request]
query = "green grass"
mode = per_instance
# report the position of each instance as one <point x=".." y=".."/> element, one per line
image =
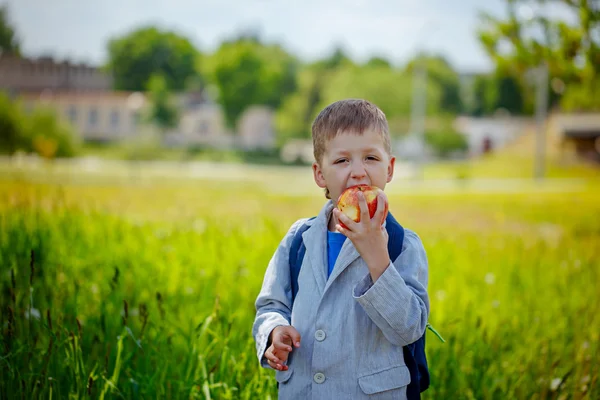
<point x="147" y="290"/>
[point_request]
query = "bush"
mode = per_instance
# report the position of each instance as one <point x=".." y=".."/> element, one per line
<point x="49" y="137"/>
<point x="40" y="132"/>
<point x="446" y="142"/>
<point x="12" y="129"/>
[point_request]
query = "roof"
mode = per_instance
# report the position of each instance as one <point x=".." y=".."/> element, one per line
<point x="584" y="125"/>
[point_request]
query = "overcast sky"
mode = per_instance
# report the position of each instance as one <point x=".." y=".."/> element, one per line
<point x="80" y="29"/>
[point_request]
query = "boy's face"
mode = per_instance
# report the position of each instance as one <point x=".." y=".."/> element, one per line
<point x="351" y="159"/>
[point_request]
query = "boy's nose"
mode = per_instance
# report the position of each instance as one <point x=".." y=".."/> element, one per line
<point x="358" y="171"/>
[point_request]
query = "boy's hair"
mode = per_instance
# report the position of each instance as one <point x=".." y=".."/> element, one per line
<point x="349" y="115"/>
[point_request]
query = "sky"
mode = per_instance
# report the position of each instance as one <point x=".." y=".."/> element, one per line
<point x="79" y="30"/>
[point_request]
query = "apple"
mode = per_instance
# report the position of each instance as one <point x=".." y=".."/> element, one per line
<point x="348" y="203"/>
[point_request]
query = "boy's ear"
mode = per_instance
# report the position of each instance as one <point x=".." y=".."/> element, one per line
<point x="318" y="175"/>
<point x="390" y="171"/>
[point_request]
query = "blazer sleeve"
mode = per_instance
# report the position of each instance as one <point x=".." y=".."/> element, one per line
<point x="398" y="302"/>
<point x="274" y="302"/>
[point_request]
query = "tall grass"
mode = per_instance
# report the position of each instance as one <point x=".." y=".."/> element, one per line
<point x="148" y="292"/>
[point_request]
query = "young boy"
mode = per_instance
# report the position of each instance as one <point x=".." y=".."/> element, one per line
<point x="355" y="308"/>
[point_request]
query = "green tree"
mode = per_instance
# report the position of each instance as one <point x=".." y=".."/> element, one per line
<point x="147" y="51"/>
<point x="390" y="89"/>
<point x="8" y="38"/>
<point x="570" y="50"/>
<point x="12" y="133"/>
<point x="247" y="72"/>
<point x="162" y="112"/>
<point x="378" y="62"/>
<point x="445" y="77"/>
<point x="496" y="91"/>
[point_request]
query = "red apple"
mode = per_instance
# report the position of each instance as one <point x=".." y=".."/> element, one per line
<point x="349" y="205"/>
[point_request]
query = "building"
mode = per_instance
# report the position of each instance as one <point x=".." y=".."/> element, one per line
<point x="579" y="131"/>
<point x="486" y="134"/>
<point x="201" y="123"/>
<point x="79" y="93"/>
<point x="99" y="116"/>
<point x="18" y="75"/>
<point x="255" y="129"/>
<point x="83" y="96"/>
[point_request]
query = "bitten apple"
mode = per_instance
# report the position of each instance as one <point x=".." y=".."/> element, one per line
<point x="349" y="205"/>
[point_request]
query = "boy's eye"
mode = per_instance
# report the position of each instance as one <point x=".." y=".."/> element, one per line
<point x="341" y="160"/>
<point x="372" y="158"/>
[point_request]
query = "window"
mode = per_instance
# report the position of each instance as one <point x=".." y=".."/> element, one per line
<point x="93" y="117"/>
<point x="114" y="119"/>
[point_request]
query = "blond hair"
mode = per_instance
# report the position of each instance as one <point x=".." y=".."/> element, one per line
<point x="349" y="115"/>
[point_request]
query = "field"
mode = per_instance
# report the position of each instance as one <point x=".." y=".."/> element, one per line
<point x="144" y="287"/>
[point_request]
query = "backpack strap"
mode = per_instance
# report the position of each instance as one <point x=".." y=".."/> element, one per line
<point x="395" y="236"/>
<point x="297" y="250"/>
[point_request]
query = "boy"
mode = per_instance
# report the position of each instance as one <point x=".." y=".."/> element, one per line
<point x="355" y="308"/>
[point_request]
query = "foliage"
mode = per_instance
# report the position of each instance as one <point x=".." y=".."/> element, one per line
<point x="109" y="294"/>
<point x="135" y="57"/>
<point x="40" y="131"/>
<point x="12" y="130"/>
<point x="247" y="72"/>
<point x="51" y="137"/>
<point x="444" y="76"/>
<point x="9" y="42"/>
<point x="162" y="111"/>
<point x="571" y="50"/>
<point x="446" y="142"/>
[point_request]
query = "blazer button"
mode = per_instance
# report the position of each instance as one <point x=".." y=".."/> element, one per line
<point x="320" y="335"/>
<point x="319" y="377"/>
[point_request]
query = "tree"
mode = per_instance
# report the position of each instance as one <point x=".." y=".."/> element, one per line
<point x="571" y="51"/>
<point x="12" y="120"/>
<point x="247" y="72"/>
<point x="137" y="56"/>
<point x="378" y="62"/>
<point x="442" y="74"/>
<point x="162" y="113"/>
<point x="496" y="91"/>
<point x="8" y="39"/>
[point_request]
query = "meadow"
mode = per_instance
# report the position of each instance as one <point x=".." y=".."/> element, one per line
<point x="145" y="289"/>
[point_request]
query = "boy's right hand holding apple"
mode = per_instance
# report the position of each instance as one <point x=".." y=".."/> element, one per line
<point x="283" y="339"/>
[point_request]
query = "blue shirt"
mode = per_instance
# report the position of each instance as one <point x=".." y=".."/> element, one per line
<point x="335" y="240"/>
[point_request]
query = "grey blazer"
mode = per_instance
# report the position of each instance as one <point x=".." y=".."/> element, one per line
<point x="352" y="329"/>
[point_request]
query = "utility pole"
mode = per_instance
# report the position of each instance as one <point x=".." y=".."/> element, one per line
<point x="541" y="78"/>
<point x="418" y="111"/>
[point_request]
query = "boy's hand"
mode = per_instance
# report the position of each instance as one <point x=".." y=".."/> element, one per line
<point x="368" y="236"/>
<point x="283" y="339"/>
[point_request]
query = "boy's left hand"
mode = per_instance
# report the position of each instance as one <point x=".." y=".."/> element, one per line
<point x="368" y="236"/>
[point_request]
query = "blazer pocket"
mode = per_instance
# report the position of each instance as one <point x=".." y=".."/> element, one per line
<point x="283" y="376"/>
<point x="388" y="379"/>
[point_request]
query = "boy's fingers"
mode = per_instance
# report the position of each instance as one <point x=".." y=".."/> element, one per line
<point x="344" y="231"/>
<point x="364" y="208"/>
<point x="381" y="200"/>
<point x="277" y="366"/>
<point x="282" y="346"/>
<point x="344" y="218"/>
<point x="295" y="336"/>
<point x="270" y="356"/>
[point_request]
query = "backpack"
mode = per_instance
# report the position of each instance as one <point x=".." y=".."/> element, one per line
<point x="414" y="353"/>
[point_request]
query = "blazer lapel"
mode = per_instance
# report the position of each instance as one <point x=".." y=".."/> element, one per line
<point x="348" y="254"/>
